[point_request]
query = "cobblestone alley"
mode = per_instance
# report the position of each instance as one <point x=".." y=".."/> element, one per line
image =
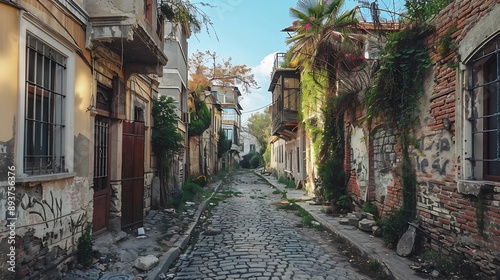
<point x="247" y="237"/>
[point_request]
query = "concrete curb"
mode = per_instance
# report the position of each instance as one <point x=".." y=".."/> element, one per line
<point x="171" y="255"/>
<point x="360" y="249"/>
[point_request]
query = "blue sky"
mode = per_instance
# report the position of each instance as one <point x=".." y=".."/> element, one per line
<point x="249" y="31"/>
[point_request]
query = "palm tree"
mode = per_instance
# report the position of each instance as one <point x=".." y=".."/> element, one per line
<point x="321" y="45"/>
<point x="323" y="37"/>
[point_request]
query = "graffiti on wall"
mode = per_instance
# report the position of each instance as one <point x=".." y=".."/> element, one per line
<point x="6" y="157"/>
<point x="359" y="160"/>
<point x="50" y="217"/>
<point x="435" y="153"/>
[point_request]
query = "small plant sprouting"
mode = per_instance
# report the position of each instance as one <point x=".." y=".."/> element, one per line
<point x="85" y="247"/>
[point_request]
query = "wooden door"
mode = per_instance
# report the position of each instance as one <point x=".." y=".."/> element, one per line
<point x="101" y="174"/>
<point x="132" y="175"/>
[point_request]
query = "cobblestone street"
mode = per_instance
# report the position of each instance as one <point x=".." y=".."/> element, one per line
<point x="247" y="237"/>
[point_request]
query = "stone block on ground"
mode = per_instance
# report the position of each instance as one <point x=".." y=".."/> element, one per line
<point x="407" y="242"/>
<point x="344" y="221"/>
<point x="353" y="220"/>
<point x="146" y="263"/>
<point x="366" y="225"/>
<point x="377" y="231"/>
<point x="369" y="216"/>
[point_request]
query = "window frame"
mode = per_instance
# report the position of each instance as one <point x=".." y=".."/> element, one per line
<point x="29" y="26"/>
<point x="478" y="84"/>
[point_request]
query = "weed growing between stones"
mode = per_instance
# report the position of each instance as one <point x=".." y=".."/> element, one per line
<point x="372" y="267"/>
<point x="307" y="219"/>
<point x="290" y="184"/>
<point x="85" y="247"/>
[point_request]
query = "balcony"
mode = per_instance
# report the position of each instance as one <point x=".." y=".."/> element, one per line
<point x="132" y="30"/>
<point x="285" y="124"/>
<point x="285" y="87"/>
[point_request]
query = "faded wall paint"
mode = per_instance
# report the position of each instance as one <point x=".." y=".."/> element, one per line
<point x="148" y="183"/>
<point x="50" y="219"/>
<point x="384" y="162"/>
<point x="9" y="56"/>
<point x="82" y="155"/>
<point x="359" y="160"/>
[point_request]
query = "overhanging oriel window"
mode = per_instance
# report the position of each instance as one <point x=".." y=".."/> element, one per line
<point x="45" y="108"/>
<point x="484" y="89"/>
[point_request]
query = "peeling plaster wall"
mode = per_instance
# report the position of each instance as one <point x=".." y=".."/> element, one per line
<point x="9" y="56"/>
<point x="50" y="213"/>
<point x="50" y="219"/>
<point x="385" y="161"/>
<point x="359" y="161"/>
<point x="148" y="183"/>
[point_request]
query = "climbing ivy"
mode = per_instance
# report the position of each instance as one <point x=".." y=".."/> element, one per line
<point x="200" y="117"/>
<point x="331" y="165"/>
<point x="422" y="10"/>
<point x="325" y="125"/>
<point x="394" y="99"/>
<point x="311" y="109"/>
<point x="332" y="153"/>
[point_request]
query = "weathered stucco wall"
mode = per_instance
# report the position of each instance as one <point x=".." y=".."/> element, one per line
<point x="50" y="218"/>
<point x="277" y="158"/>
<point x="9" y="55"/>
<point x="50" y="214"/>
<point x="359" y="162"/>
<point x="384" y="166"/>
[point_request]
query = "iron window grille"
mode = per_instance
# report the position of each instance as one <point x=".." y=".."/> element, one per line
<point x="484" y="90"/>
<point x="45" y="108"/>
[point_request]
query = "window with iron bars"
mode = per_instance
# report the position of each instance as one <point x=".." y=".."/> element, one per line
<point x="45" y="108"/>
<point x="484" y="90"/>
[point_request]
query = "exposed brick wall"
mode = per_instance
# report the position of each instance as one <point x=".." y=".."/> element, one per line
<point x="446" y="214"/>
<point x="449" y="215"/>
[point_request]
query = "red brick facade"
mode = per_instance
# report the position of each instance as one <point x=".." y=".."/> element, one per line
<point x="447" y="212"/>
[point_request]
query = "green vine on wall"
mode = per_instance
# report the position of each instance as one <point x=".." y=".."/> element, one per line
<point x="310" y="113"/>
<point x="393" y="100"/>
<point x="394" y="97"/>
<point x="200" y="117"/>
<point x="331" y="161"/>
<point x="446" y="46"/>
<point x="423" y="10"/>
